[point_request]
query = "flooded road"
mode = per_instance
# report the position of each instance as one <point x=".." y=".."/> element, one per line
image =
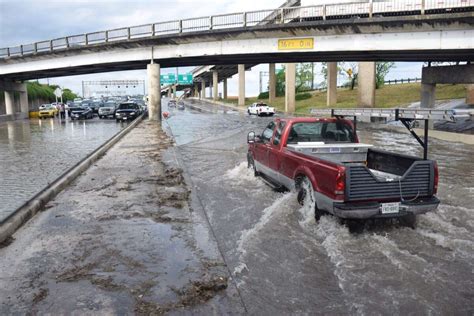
<point x="283" y="262"/>
<point x="33" y="153"/>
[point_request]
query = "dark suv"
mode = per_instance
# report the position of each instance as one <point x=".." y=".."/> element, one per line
<point x="127" y="111"/>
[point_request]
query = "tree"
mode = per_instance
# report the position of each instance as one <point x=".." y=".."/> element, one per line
<point x="68" y="95"/>
<point x="381" y="71"/>
<point x="304" y="75"/>
<point x="280" y="82"/>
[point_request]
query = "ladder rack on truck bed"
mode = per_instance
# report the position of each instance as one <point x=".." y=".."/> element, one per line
<point x="406" y="116"/>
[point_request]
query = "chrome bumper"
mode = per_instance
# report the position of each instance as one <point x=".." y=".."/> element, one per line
<point x="374" y="210"/>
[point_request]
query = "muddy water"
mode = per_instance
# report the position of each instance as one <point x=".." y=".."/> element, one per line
<point x="283" y="262"/>
<point x="34" y="153"/>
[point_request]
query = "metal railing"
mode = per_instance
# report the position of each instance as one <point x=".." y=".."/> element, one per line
<point x="402" y="81"/>
<point x="367" y="8"/>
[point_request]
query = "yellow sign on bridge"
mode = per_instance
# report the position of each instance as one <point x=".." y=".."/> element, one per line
<point x="296" y="44"/>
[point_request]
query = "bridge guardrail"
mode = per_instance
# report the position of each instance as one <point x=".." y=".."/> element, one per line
<point x="367" y="8"/>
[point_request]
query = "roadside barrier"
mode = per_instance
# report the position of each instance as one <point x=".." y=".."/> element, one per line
<point x="39" y="201"/>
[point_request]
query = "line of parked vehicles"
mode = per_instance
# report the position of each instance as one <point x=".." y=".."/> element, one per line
<point x="120" y="109"/>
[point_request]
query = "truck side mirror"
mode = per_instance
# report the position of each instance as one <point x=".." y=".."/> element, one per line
<point x="251" y="138"/>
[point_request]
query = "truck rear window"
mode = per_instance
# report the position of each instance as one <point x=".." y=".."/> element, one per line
<point x="327" y="132"/>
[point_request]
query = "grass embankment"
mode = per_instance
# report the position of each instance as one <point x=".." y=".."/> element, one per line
<point x="386" y="97"/>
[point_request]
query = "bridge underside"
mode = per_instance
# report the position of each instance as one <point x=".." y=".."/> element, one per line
<point x="294" y="57"/>
<point x="448" y="37"/>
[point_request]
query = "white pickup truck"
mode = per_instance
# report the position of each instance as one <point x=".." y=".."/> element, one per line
<point x="261" y="109"/>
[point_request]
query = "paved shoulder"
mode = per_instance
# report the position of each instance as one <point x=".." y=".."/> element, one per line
<point x="122" y="239"/>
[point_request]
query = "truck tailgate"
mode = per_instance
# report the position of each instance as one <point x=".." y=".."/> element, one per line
<point x="363" y="185"/>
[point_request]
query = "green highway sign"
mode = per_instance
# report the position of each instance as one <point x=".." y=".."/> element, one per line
<point x="185" y="79"/>
<point x="168" y="79"/>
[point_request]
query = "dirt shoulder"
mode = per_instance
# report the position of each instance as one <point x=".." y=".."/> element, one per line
<point x="124" y="238"/>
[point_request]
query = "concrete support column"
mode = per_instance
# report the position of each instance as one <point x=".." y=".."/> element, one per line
<point x="272" y="84"/>
<point x="428" y="95"/>
<point x="9" y="103"/>
<point x="203" y="89"/>
<point x="211" y="96"/>
<point x="366" y="84"/>
<point x="470" y="94"/>
<point x="174" y="91"/>
<point x="241" y="69"/>
<point x="196" y="91"/>
<point x="332" y="84"/>
<point x="225" y="89"/>
<point x="154" y="92"/>
<point x="215" y="85"/>
<point x="25" y="109"/>
<point x="428" y="98"/>
<point x="290" y="88"/>
<point x="169" y="93"/>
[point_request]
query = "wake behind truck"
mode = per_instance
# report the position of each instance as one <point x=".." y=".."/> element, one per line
<point x="322" y="159"/>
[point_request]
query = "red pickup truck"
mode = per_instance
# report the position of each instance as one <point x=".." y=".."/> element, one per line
<point x="322" y="159"/>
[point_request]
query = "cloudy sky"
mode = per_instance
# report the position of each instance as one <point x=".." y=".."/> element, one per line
<point x="27" y="21"/>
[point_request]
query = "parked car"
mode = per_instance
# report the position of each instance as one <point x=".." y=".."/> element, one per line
<point x="181" y="105"/>
<point x="107" y="110"/>
<point x="95" y="105"/>
<point x="324" y="162"/>
<point x="261" y="109"/>
<point x="172" y="103"/>
<point x="127" y="111"/>
<point x="44" y="106"/>
<point x="48" y="111"/>
<point x="86" y="104"/>
<point x="82" y="113"/>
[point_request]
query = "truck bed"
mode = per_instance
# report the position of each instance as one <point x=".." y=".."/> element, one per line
<point x="413" y="178"/>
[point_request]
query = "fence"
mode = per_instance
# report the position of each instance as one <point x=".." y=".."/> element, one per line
<point x="402" y="81"/>
<point x="245" y="19"/>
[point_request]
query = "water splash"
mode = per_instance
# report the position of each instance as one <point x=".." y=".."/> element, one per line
<point x="242" y="175"/>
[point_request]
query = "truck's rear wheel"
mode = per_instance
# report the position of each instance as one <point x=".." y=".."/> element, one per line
<point x="306" y="195"/>
<point x="408" y="220"/>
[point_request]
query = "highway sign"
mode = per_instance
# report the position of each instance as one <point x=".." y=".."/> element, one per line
<point x="185" y="79"/>
<point x="58" y="92"/>
<point x="168" y="78"/>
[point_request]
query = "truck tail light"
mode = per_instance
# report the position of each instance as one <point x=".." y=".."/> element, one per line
<point x="436" y="178"/>
<point x="340" y="181"/>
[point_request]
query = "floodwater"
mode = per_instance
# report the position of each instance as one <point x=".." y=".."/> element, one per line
<point x="283" y="262"/>
<point x="33" y="153"/>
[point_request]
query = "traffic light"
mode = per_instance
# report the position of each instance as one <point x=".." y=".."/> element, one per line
<point x="349" y="72"/>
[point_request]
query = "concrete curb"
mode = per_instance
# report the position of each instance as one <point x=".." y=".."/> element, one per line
<point x="37" y="203"/>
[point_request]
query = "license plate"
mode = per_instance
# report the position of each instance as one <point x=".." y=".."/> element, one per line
<point x="390" y="208"/>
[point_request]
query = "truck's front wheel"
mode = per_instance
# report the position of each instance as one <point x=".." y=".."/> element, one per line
<point x="306" y="196"/>
<point x="251" y="164"/>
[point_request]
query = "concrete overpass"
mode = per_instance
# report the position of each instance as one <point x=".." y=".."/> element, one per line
<point x="218" y="41"/>
<point x="206" y="75"/>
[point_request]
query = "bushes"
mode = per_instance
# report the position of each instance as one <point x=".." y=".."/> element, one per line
<point x="263" y="95"/>
<point x="303" y="96"/>
<point x="45" y="92"/>
<point x="266" y="95"/>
